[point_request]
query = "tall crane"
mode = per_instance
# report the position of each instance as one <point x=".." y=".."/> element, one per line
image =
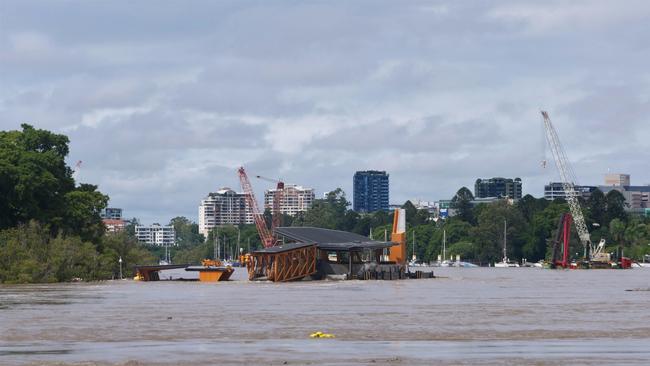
<point x="265" y="234"/>
<point x="278" y="197"/>
<point x="568" y="177"/>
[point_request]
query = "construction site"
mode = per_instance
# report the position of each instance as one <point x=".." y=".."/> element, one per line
<point x="312" y="253"/>
<point x="307" y="253"/>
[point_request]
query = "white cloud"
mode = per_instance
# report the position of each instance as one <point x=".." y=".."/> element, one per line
<point x="438" y="95"/>
<point x="560" y="16"/>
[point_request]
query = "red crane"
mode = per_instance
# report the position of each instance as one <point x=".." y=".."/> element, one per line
<point x="278" y="196"/>
<point x="265" y="234"/>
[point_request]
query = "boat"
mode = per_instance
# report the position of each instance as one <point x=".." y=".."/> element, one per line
<point x="414" y="262"/>
<point x="466" y="265"/>
<point x="442" y="260"/>
<point x="505" y="262"/>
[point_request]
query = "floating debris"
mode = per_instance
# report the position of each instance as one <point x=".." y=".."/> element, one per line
<point x="321" y="335"/>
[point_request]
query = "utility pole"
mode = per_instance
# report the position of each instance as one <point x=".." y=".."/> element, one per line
<point x="120" y="260"/>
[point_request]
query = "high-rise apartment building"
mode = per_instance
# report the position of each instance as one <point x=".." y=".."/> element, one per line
<point x="498" y="187"/>
<point x="371" y="191"/>
<point x="294" y="199"/>
<point x="111" y="213"/>
<point x="223" y="207"/>
<point x="619" y="180"/>
<point x="156" y="234"/>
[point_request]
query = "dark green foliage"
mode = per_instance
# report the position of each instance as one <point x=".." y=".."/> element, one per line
<point x="461" y="203"/>
<point x="29" y="253"/>
<point x="36" y="184"/>
<point x="50" y="229"/>
<point x="615" y="206"/>
<point x="597" y="206"/>
<point x="187" y="232"/>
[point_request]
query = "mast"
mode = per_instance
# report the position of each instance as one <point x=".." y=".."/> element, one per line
<point x="505" y="252"/>
<point x="216" y="244"/>
<point x="444" y="244"/>
<point x="414" y="257"/>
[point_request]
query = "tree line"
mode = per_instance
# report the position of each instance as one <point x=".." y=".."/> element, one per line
<point x="50" y="227"/>
<point x="475" y="232"/>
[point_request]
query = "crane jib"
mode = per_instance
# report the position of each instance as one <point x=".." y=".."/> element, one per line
<point x="568" y="178"/>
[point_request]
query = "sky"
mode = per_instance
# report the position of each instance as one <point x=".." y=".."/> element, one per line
<point x="164" y="100"/>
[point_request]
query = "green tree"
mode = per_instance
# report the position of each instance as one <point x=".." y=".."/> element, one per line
<point x="34" y="177"/>
<point x="36" y="184"/>
<point x="617" y="231"/>
<point x="187" y="232"/>
<point x="490" y="232"/>
<point x="82" y="213"/>
<point x="529" y="206"/>
<point x="615" y="206"/>
<point x="462" y="204"/>
<point x="598" y="208"/>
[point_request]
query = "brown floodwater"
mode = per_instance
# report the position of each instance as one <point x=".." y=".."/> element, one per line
<point x="490" y="316"/>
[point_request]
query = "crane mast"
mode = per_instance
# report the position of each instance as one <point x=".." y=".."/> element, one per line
<point x="278" y="197"/>
<point x="568" y="182"/>
<point x="265" y="234"/>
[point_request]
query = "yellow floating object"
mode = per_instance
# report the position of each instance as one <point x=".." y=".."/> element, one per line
<point x="321" y="335"/>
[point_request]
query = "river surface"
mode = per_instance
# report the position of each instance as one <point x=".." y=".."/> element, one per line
<point x="508" y="316"/>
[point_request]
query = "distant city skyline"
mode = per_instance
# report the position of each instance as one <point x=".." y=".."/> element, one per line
<point x="163" y="110"/>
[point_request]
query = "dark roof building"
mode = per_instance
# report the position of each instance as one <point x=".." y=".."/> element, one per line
<point x="327" y="239"/>
<point x="555" y="190"/>
<point x="498" y="187"/>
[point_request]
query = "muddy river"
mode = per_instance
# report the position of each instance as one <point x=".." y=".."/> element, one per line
<point x="470" y="316"/>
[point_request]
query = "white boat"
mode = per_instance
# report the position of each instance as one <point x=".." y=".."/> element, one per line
<point x="466" y="265"/>
<point x="442" y="260"/>
<point x="446" y="263"/>
<point x="414" y="259"/>
<point x="505" y="262"/>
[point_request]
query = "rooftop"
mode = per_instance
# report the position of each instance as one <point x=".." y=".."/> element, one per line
<point x="329" y="239"/>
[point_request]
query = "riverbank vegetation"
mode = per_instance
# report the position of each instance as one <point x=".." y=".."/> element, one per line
<point x="50" y="226"/>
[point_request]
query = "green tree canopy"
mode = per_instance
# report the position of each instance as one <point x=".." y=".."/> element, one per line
<point x="462" y="204"/>
<point x="615" y="206"/>
<point x="36" y="184"/>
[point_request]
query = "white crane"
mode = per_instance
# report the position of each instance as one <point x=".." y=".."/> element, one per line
<point x="568" y="178"/>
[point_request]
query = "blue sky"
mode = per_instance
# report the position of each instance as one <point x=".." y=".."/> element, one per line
<point x="164" y="100"/>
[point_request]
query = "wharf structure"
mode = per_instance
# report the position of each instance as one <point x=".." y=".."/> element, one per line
<point x="323" y="253"/>
<point x="319" y="253"/>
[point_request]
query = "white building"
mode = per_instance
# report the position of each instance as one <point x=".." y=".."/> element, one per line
<point x="156" y="234"/>
<point x="294" y="199"/>
<point x="223" y="207"/>
<point x="618" y="180"/>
